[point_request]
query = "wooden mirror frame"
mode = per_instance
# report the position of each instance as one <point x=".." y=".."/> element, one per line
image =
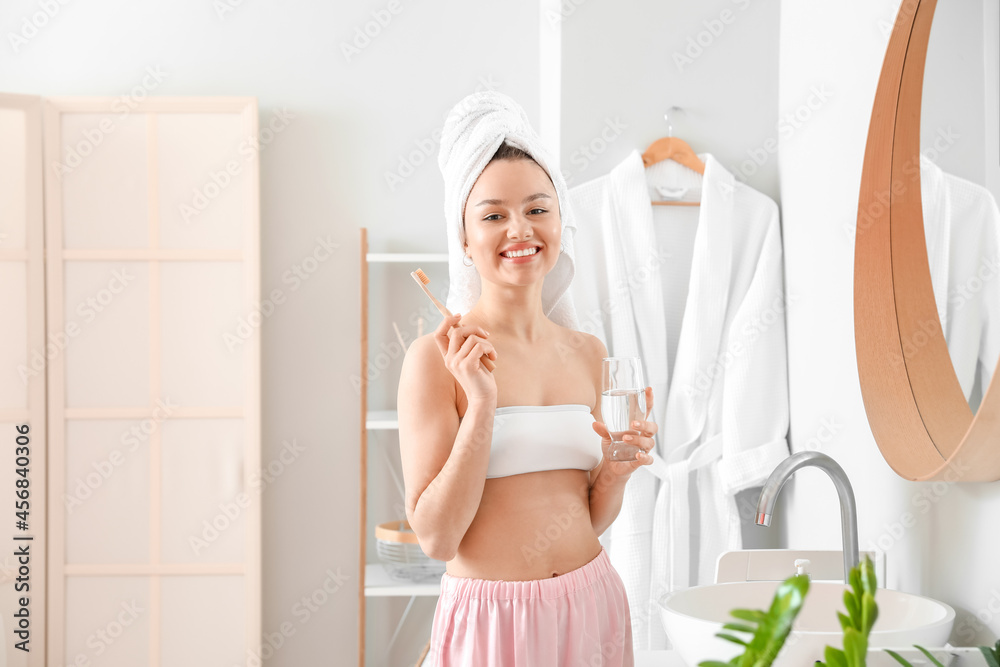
<point x="916" y="408"/>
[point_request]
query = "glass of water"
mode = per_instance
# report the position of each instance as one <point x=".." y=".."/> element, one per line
<point x="623" y="401"/>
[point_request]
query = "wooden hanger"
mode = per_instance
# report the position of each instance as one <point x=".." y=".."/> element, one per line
<point x="673" y="148"/>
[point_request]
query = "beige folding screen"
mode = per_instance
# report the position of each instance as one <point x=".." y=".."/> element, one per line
<point x="153" y="396"/>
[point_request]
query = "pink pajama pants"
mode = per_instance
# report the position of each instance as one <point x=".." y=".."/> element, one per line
<point x="577" y="619"/>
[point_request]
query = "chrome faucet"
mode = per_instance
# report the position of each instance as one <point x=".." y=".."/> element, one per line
<point x="848" y="510"/>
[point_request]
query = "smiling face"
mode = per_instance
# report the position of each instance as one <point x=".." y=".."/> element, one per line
<point x="512" y="224"/>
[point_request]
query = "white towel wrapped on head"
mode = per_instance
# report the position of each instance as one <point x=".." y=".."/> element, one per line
<point x="474" y="130"/>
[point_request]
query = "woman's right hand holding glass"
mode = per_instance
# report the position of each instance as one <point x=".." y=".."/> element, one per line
<point x="462" y="346"/>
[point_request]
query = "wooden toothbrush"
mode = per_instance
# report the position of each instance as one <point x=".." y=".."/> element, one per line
<point x="421" y="279"/>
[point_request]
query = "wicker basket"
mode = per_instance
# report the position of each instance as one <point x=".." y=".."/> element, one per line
<point x="402" y="556"/>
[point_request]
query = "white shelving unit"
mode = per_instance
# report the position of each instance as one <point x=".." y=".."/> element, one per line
<point x="382" y="420"/>
<point x="378" y="584"/>
<point x="373" y="579"/>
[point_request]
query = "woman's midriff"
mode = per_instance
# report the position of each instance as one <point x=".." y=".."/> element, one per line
<point x="530" y="526"/>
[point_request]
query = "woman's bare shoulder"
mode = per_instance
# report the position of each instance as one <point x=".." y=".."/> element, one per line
<point x="587" y="344"/>
<point x="423" y="346"/>
<point x="423" y="357"/>
<point x="597" y="345"/>
<point x="425" y="373"/>
<point x="427" y="389"/>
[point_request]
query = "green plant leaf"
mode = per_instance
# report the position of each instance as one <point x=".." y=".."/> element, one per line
<point x="855" y="647"/>
<point x="774" y="630"/>
<point x="731" y="638"/>
<point x="755" y="616"/>
<point x="862" y="611"/>
<point x="900" y="659"/>
<point x="930" y="657"/>
<point x="769" y="629"/>
<point x="740" y="627"/>
<point x="853" y="610"/>
<point x="869" y="612"/>
<point x="834" y="657"/>
<point x="992" y="655"/>
<point x="868" y="583"/>
<point x="855" y="580"/>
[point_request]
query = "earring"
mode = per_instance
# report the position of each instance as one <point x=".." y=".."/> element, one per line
<point x="469" y="262"/>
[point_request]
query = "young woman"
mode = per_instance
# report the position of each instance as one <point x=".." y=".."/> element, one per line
<point x="506" y="472"/>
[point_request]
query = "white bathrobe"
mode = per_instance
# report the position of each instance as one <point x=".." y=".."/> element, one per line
<point x="722" y="410"/>
<point x="961" y="225"/>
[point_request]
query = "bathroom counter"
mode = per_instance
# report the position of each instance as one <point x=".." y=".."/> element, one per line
<point x="658" y="659"/>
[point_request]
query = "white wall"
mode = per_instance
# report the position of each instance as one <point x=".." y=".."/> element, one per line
<point x="948" y="549"/>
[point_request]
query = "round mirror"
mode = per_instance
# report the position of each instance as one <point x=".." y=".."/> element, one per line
<point x="926" y="248"/>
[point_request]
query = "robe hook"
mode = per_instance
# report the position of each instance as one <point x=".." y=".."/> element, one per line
<point x="666" y="117"/>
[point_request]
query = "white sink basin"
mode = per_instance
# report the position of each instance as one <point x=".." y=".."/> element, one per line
<point x="692" y="617"/>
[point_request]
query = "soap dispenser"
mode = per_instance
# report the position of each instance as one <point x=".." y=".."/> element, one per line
<point x="800" y="566"/>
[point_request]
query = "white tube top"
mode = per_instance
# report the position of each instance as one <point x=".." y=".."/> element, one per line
<point x="531" y="438"/>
